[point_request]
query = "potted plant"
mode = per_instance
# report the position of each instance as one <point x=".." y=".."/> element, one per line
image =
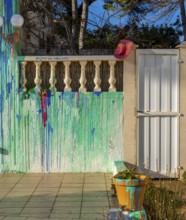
<point x="130" y="189"/>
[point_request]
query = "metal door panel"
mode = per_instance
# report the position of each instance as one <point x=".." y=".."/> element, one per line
<point x="158" y="111"/>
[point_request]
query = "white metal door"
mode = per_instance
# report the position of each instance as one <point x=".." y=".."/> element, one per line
<point x="158" y="111"/>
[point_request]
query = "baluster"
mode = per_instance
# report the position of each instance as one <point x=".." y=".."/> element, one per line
<point x="52" y="79"/>
<point x="97" y="79"/>
<point x="112" y="79"/>
<point x="67" y="79"/>
<point x="82" y="79"/>
<point x="23" y="80"/>
<point x="37" y="79"/>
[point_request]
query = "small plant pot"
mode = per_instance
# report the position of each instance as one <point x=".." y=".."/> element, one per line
<point x="130" y="192"/>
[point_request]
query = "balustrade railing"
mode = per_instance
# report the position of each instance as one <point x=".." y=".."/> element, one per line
<point x="61" y="73"/>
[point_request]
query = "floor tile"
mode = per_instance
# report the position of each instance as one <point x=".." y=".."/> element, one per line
<point x="23" y="189"/>
<point x="46" y="189"/>
<point x="5" y="181"/>
<point x="12" y="204"/>
<point x="72" y="185"/>
<point x="94" y="180"/>
<point x="65" y="216"/>
<point x="95" y="198"/>
<point x="70" y="190"/>
<point x="92" y="210"/>
<point x="91" y="194"/>
<point x="3" y="194"/>
<point x="6" y="185"/>
<point x="34" y="175"/>
<point x="39" y="204"/>
<point x="67" y="204"/>
<point x="94" y="175"/>
<point x="43" y="193"/>
<point x="92" y="216"/>
<point x="42" y="198"/>
<point x="26" y="185"/>
<point x="29" y="210"/>
<point x="66" y="210"/>
<point x="3" y="189"/>
<point x="91" y="189"/>
<point x="19" y="194"/>
<point x="37" y="215"/>
<point x="35" y="218"/>
<point x="30" y="180"/>
<point x="10" y="211"/>
<point x="49" y="185"/>
<point x="68" y="199"/>
<point x="94" y="185"/>
<point x="73" y="181"/>
<point x="14" y="218"/>
<point x="16" y="199"/>
<point x="95" y="204"/>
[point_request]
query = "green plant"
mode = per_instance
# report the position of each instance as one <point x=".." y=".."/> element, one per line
<point x="126" y="174"/>
<point x="184" y="176"/>
<point x="40" y="93"/>
<point x="165" y="200"/>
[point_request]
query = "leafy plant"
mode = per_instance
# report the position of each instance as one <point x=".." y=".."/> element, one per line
<point x="165" y="201"/>
<point x="126" y="174"/>
<point x="29" y="92"/>
<point x="184" y="176"/>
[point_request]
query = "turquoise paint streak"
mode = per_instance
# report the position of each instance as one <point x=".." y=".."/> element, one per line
<point x="67" y="143"/>
<point x="8" y="79"/>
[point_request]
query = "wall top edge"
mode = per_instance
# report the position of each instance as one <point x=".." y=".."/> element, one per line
<point x="158" y="51"/>
<point x="68" y="58"/>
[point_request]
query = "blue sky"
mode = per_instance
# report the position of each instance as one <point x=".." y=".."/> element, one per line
<point x="96" y="12"/>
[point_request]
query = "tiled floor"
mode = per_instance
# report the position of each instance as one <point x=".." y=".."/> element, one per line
<point x="55" y="196"/>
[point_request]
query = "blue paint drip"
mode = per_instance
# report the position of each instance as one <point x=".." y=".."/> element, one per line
<point x="97" y="93"/>
<point x="40" y="111"/>
<point x="93" y="131"/>
<point x="50" y="129"/>
<point x="9" y="87"/>
<point x="1" y="102"/>
<point x="62" y="95"/>
<point x="18" y="117"/>
<point x="48" y="100"/>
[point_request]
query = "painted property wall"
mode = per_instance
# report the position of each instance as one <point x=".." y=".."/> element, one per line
<point x="83" y="131"/>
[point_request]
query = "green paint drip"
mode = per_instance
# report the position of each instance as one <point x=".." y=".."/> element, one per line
<point x="83" y="137"/>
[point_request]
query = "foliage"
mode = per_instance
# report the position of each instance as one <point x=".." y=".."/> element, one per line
<point x="163" y="36"/>
<point x="60" y="25"/>
<point x="53" y="23"/>
<point x="165" y="201"/>
<point x="136" y="8"/>
<point x="184" y="176"/>
<point x="154" y="9"/>
<point x="145" y="36"/>
<point x="31" y="91"/>
<point x="126" y="174"/>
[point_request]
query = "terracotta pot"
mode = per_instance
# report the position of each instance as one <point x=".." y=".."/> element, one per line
<point x="130" y="192"/>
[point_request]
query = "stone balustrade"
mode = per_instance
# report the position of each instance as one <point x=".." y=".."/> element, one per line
<point x="114" y="72"/>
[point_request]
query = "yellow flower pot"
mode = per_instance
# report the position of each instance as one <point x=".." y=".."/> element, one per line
<point x="130" y="192"/>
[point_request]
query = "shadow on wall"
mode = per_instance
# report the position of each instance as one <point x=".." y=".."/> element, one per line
<point x="4" y="151"/>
